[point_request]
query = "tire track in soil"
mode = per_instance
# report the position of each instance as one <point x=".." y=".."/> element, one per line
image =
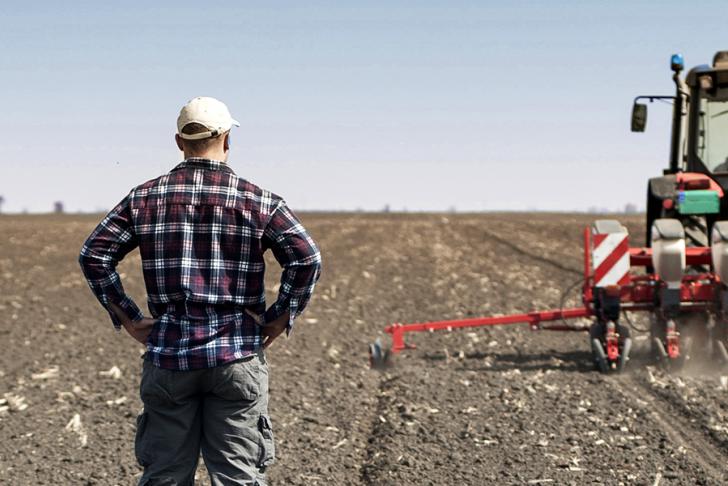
<point x="368" y="471"/>
<point x="701" y="449"/>
<point x="533" y="256"/>
<point x="367" y="474"/>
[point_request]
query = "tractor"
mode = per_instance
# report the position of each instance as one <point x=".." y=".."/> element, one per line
<point x="691" y="189"/>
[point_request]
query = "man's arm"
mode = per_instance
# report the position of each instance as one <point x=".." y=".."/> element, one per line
<point x="112" y="239"/>
<point x="297" y="253"/>
<point x="139" y="330"/>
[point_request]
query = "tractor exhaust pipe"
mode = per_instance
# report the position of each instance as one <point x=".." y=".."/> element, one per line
<point x="677" y="64"/>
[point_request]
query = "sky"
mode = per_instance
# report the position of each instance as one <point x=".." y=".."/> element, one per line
<point x="477" y="106"/>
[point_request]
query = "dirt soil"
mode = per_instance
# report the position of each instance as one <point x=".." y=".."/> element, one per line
<point x="482" y="406"/>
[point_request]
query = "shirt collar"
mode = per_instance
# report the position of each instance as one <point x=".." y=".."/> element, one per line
<point x="201" y="163"/>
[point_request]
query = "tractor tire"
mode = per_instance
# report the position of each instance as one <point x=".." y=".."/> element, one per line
<point x="696" y="230"/>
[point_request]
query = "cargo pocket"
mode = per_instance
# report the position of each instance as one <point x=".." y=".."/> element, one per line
<point x="267" y="444"/>
<point x="238" y="381"/>
<point x="140" y="448"/>
<point x="155" y="386"/>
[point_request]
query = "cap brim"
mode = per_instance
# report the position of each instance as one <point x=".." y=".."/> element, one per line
<point x="235" y="122"/>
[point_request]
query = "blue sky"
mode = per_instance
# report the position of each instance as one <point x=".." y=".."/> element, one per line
<point x="346" y="105"/>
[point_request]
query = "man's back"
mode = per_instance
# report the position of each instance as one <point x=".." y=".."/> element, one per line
<point x="202" y="232"/>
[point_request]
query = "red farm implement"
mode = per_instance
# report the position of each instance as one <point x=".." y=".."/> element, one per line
<point x="671" y="282"/>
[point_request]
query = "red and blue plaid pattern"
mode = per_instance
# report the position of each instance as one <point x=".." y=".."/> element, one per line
<point x="202" y="232"/>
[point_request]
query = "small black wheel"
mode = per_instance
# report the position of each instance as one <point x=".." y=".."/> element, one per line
<point x="658" y="349"/>
<point x="599" y="356"/>
<point x="721" y="351"/>
<point x="624" y="355"/>
<point x="378" y="357"/>
<point x="679" y="363"/>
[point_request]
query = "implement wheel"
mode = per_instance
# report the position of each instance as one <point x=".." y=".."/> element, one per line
<point x="379" y="358"/>
<point x="722" y="352"/>
<point x="599" y="356"/>
<point x="599" y="353"/>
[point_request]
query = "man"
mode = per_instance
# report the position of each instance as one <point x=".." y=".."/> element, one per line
<point x="202" y="232"/>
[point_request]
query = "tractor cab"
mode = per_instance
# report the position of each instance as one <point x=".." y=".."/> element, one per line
<point x="707" y="136"/>
<point x="691" y="189"/>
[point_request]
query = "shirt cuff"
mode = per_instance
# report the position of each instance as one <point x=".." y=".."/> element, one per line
<point x="130" y="309"/>
<point x="277" y="310"/>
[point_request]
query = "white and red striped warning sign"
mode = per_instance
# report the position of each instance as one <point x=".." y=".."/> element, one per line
<point x="610" y="259"/>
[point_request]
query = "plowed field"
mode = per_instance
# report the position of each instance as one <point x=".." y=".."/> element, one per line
<point x="482" y="406"/>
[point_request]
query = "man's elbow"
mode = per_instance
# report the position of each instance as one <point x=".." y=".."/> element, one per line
<point x="87" y="260"/>
<point x="307" y="271"/>
<point x="82" y="260"/>
<point x="316" y="269"/>
<point x="314" y="261"/>
<point x="310" y="260"/>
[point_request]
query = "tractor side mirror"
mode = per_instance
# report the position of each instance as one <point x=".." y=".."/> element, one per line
<point x="639" y="117"/>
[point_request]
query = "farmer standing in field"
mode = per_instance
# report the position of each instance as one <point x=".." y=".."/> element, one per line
<point x="202" y="231"/>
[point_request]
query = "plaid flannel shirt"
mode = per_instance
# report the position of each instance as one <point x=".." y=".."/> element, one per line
<point x="202" y="232"/>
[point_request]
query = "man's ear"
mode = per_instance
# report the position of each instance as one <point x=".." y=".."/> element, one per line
<point x="178" y="139"/>
<point x="226" y="142"/>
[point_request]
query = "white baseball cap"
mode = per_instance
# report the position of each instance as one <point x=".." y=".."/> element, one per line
<point x="208" y="112"/>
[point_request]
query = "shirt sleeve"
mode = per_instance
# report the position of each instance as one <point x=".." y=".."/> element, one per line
<point x="107" y="245"/>
<point x="297" y="253"/>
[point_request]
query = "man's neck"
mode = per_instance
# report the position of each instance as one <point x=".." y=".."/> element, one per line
<point x="219" y="156"/>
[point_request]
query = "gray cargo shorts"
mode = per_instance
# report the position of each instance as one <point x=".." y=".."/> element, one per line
<point x="221" y="412"/>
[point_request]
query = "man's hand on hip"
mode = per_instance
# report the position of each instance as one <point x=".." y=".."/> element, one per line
<point x="273" y="329"/>
<point x="139" y="330"/>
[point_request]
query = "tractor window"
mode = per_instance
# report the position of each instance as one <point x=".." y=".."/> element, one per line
<point x="713" y="134"/>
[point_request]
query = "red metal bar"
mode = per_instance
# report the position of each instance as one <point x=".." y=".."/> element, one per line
<point x="533" y="318"/>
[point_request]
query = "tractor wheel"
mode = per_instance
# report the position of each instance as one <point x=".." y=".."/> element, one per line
<point x="696" y="233"/>
<point x="696" y="230"/>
